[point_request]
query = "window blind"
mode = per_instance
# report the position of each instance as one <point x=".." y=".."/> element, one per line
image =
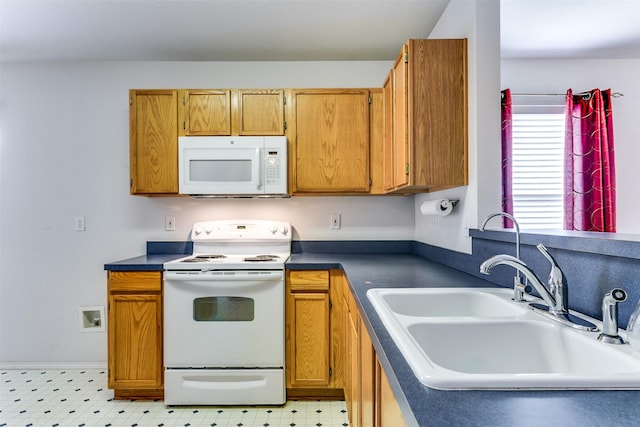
<point x="538" y="170"/>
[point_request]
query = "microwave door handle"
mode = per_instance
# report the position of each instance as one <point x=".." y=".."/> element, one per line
<point x="257" y="169"/>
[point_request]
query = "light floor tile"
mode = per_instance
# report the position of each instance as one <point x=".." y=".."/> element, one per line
<point x="65" y="398"/>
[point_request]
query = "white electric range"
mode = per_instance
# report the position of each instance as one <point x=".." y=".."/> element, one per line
<point x="224" y="315"/>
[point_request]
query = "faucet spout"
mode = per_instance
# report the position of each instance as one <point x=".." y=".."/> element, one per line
<point x="519" y="288"/>
<point x="520" y="266"/>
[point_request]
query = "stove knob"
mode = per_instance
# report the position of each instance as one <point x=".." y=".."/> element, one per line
<point x="285" y="230"/>
<point x="274" y="229"/>
<point x="208" y="230"/>
<point x="197" y="230"/>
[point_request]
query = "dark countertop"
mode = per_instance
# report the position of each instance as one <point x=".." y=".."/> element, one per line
<point x="142" y="263"/>
<point x="423" y="406"/>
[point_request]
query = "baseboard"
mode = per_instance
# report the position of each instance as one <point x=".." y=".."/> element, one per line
<point x="53" y="365"/>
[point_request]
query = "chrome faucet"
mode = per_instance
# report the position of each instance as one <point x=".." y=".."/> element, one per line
<point x="485" y="268"/>
<point x="519" y="288"/>
<point x="610" y="316"/>
<point x="555" y="297"/>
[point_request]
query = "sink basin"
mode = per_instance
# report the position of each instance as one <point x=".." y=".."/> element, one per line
<point x="477" y="338"/>
<point x="448" y="302"/>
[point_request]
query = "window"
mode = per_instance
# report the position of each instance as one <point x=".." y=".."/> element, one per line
<point x="538" y="167"/>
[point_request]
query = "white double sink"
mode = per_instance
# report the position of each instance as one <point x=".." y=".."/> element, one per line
<point x="478" y="338"/>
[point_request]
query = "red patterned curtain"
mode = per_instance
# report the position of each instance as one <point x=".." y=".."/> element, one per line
<point x="507" y="157"/>
<point x="590" y="180"/>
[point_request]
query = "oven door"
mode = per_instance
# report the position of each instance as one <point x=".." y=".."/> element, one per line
<point x="224" y="319"/>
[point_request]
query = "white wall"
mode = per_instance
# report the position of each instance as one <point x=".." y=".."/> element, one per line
<point x="554" y="76"/>
<point x="479" y="22"/>
<point x="65" y="153"/>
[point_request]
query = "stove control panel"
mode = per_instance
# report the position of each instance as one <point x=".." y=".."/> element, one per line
<point x="241" y="230"/>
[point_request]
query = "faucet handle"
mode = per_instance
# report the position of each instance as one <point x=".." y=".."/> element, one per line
<point x="555" y="275"/>
<point x="556" y="283"/>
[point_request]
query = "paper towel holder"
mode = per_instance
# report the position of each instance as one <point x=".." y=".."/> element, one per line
<point x="438" y="207"/>
<point x="445" y="201"/>
<point x="444" y="204"/>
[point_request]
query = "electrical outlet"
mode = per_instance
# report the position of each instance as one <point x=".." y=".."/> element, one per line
<point x="170" y="223"/>
<point x="79" y="221"/>
<point x="334" y="221"/>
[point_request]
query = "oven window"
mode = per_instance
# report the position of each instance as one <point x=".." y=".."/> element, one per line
<point x="222" y="170"/>
<point x="223" y="309"/>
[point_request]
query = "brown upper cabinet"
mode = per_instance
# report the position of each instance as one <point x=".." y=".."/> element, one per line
<point x="158" y="117"/>
<point x="231" y="112"/>
<point x="425" y="120"/>
<point x="376" y="141"/>
<point x="153" y="138"/>
<point x="329" y="140"/>
<point x="409" y="136"/>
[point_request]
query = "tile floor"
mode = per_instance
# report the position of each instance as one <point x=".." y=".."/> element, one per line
<point x="66" y="398"/>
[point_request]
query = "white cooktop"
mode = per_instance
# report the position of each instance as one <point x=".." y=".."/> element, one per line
<point x="236" y="244"/>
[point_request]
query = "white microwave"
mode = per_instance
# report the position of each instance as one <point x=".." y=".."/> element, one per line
<point x="232" y="165"/>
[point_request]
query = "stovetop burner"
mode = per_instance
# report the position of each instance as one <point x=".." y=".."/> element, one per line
<point x="262" y="258"/>
<point x="205" y="258"/>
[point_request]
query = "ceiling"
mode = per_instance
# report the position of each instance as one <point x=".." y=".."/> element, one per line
<point x="297" y="30"/>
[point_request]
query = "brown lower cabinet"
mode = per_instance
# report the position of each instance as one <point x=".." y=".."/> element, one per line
<point x="134" y="334"/>
<point x="313" y="333"/>
<point x="329" y="350"/>
<point x="387" y="409"/>
<point x="368" y="395"/>
<point x="329" y="353"/>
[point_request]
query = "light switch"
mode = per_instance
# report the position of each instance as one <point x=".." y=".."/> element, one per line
<point x="79" y="221"/>
<point x="170" y="223"/>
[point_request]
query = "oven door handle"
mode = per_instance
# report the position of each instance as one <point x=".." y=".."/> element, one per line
<point x="219" y="275"/>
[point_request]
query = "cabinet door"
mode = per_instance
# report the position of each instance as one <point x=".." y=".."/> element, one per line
<point x="206" y="112"/>
<point x="259" y="112"/>
<point x="354" y="370"/>
<point x="388" y="165"/>
<point x="426" y="98"/>
<point x="309" y="344"/>
<point x="135" y="341"/>
<point x="401" y="122"/>
<point x="389" y="411"/>
<point x="376" y="141"/>
<point x="153" y="132"/>
<point x="367" y="378"/>
<point x="330" y="138"/>
<point x="438" y="106"/>
<point x="337" y="328"/>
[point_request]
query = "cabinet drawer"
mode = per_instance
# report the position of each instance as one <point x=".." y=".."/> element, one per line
<point x="316" y="280"/>
<point x="135" y="281"/>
